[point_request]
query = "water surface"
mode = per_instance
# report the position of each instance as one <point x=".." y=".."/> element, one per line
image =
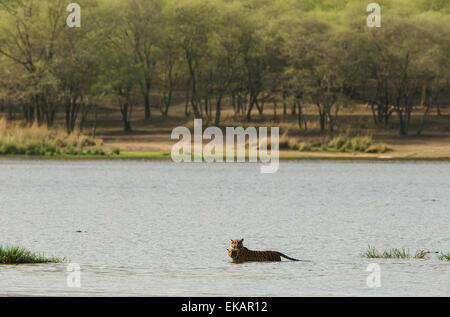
<point x="152" y="229"/>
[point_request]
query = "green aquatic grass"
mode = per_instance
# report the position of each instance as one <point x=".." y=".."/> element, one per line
<point x="444" y="256"/>
<point x="19" y="255"/>
<point x="371" y="253"/>
<point x="394" y="253"/>
<point x="421" y="254"/>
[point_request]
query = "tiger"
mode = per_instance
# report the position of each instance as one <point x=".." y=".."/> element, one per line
<point x="240" y="254"/>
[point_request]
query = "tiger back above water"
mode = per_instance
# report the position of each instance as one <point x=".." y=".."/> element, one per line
<point x="240" y="254"/>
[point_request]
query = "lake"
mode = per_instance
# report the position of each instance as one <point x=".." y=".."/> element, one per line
<point x="161" y="229"/>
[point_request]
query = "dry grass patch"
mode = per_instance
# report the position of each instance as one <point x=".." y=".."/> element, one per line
<point x="22" y="139"/>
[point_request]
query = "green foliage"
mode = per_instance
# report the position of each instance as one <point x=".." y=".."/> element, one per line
<point x="19" y="255"/>
<point x="116" y="151"/>
<point x="209" y="52"/>
<point x="99" y="151"/>
<point x="305" y="147"/>
<point x="344" y="144"/>
<point x="288" y="144"/>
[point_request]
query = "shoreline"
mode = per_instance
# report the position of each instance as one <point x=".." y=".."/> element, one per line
<point x="287" y="156"/>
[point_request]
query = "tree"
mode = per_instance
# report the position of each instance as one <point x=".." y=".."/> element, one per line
<point x="194" y="20"/>
<point x="75" y="70"/>
<point x="30" y="42"/>
<point x="315" y="55"/>
<point x="120" y="67"/>
<point x="145" y="24"/>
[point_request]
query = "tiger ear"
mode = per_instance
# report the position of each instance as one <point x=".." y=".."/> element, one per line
<point x="242" y="240"/>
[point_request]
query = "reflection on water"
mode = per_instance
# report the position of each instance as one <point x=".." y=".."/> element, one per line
<point x="162" y="229"/>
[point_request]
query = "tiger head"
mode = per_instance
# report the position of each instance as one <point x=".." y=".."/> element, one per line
<point x="237" y="244"/>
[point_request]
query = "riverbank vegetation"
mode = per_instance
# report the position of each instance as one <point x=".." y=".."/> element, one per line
<point x="19" y="255"/>
<point x="35" y="140"/>
<point x="337" y="144"/>
<point x="134" y="63"/>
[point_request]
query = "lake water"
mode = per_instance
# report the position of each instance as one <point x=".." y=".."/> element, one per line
<point x="161" y="229"/>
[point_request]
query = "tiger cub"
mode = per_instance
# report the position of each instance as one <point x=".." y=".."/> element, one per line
<point x="240" y="254"/>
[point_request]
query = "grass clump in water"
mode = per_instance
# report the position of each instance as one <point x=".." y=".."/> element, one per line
<point x="394" y="253"/>
<point x="19" y="255"/>
<point x="421" y="254"/>
<point x="444" y="256"/>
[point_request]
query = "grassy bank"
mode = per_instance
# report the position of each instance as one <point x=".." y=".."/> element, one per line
<point x="18" y="140"/>
<point x="287" y="156"/>
<point x="19" y="255"/>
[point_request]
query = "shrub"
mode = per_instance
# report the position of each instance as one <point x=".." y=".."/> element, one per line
<point x="344" y="144"/>
<point x="284" y="144"/>
<point x="50" y="149"/>
<point x="99" y="151"/>
<point x="288" y="144"/>
<point x="116" y="151"/>
<point x="378" y="148"/>
<point x="304" y="147"/>
<point x="16" y="139"/>
<point x="360" y="144"/>
<point x="33" y="149"/>
<point x="69" y="150"/>
<point x="10" y="148"/>
<point x="337" y="143"/>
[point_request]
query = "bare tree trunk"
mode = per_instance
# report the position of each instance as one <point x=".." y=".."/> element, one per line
<point x="402" y="122"/>
<point x="186" y="103"/>
<point x="218" y="110"/>
<point x="300" y="116"/>
<point x="274" y="111"/>
<point x="148" y="113"/>
<point x="233" y="102"/>
<point x="250" y="107"/>
<point x="72" y="107"/>
<point x="260" y="107"/>
<point x="424" y="119"/>
<point x="94" y="124"/>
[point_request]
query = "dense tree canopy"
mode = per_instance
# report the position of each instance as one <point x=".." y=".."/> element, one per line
<point x="216" y="54"/>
